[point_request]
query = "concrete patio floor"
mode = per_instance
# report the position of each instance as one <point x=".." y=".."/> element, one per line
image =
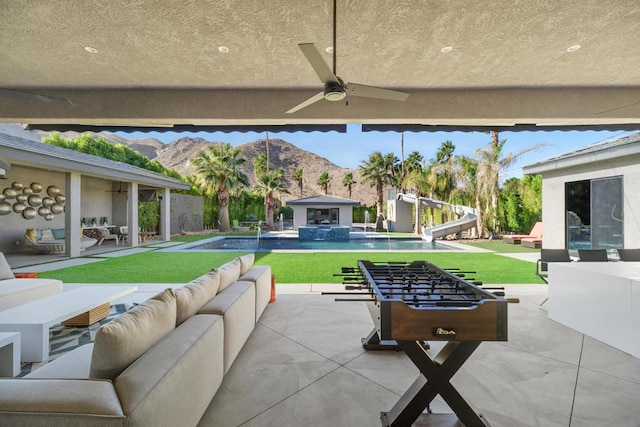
<point x="304" y="366"/>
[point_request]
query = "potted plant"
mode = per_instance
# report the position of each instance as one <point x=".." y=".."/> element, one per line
<point x="104" y="220"/>
<point x="93" y="221"/>
<point x="83" y="222"/>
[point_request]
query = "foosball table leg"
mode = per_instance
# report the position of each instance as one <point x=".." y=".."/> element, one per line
<point x="373" y="342"/>
<point x="434" y="379"/>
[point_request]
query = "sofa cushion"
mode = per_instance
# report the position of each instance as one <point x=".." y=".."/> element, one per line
<point x="58" y="233"/>
<point x="59" y="402"/>
<point x="120" y="342"/>
<point x="5" y="269"/>
<point x="195" y="294"/>
<point x="47" y="235"/>
<point x="246" y="262"/>
<point x="173" y="383"/>
<point x="261" y="276"/>
<point x="237" y="305"/>
<point x="31" y="234"/>
<point x="229" y="273"/>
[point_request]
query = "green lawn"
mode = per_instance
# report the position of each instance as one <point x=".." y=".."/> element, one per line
<point x="165" y="267"/>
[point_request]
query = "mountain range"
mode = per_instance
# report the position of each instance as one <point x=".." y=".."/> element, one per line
<point x="282" y="154"/>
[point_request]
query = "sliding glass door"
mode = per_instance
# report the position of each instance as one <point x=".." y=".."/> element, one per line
<point x="594" y="213"/>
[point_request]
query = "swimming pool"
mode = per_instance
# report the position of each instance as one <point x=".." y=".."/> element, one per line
<point x="287" y="243"/>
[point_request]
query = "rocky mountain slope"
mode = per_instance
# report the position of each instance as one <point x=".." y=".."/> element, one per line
<point x="282" y="154"/>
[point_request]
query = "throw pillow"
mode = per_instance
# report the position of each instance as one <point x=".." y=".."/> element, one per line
<point x="58" y="233"/>
<point x="120" y="342"/>
<point x="31" y="234"/>
<point x="47" y="235"/>
<point x="5" y="269"/>
<point x="195" y="294"/>
<point x="229" y="273"/>
<point x="246" y="262"/>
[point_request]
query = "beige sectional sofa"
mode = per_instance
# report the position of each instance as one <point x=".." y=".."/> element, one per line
<point x="159" y="364"/>
<point x="14" y="292"/>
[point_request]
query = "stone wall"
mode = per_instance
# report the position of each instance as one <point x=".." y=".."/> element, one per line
<point x="186" y="213"/>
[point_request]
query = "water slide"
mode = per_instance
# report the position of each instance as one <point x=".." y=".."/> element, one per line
<point x="467" y="221"/>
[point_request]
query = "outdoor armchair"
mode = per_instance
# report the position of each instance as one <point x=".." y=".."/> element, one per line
<point x="629" y="254"/>
<point x="593" y="255"/>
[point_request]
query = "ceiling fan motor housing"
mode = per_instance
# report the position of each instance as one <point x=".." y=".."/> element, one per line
<point x="334" y="91"/>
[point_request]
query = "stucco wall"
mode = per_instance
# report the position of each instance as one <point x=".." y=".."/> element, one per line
<point x="300" y="214"/>
<point x="553" y="197"/>
<point x="13" y="226"/>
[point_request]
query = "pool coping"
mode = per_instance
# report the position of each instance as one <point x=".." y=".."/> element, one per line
<point x="455" y="247"/>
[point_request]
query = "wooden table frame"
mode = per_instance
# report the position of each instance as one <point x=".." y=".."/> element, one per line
<point x="435" y="374"/>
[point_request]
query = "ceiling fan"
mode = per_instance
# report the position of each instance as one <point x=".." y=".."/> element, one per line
<point x="335" y="89"/>
<point x="32" y="96"/>
<point x="120" y="190"/>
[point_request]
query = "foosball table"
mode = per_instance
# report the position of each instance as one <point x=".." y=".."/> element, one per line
<point x="417" y="302"/>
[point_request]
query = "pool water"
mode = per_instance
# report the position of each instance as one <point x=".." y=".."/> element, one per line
<point x="287" y="243"/>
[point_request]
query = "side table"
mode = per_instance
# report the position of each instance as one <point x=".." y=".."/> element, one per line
<point x="9" y="354"/>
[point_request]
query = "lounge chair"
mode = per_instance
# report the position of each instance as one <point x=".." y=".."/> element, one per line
<point x="531" y="242"/>
<point x="105" y="234"/>
<point x="629" y="254"/>
<point x="238" y="227"/>
<point x="53" y="246"/>
<point x="593" y="255"/>
<point x="514" y="239"/>
<point x="124" y="234"/>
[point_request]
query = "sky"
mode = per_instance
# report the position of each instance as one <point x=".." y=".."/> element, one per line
<point x="349" y="149"/>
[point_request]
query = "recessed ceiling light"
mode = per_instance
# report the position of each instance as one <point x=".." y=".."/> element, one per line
<point x="573" y="48"/>
<point x="91" y="49"/>
<point x="329" y="49"/>
<point x="446" y="49"/>
<point x="223" y="49"/>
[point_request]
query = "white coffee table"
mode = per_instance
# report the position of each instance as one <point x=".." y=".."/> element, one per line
<point x="34" y="319"/>
<point x="9" y="354"/>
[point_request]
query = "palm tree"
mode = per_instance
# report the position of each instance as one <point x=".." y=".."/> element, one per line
<point x="417" y="181"/>
<point x="324" y="181"/>
<point x="268" y="183"/>
<point x="491" y="162"/>
<point x="297" y="177"/>
<point x="218" y="171"/>
<point x="392" y="164"/>
<point x="375" y="171"/>
<point x="467" y="188"/>
<point x="348" y="182"/>
<point x="442" y="174"/>
<point x="260" y="165"/>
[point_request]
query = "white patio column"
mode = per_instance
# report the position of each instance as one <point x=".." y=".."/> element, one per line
<point x="165" y="214"/>
<point x="73" y="214"/>
<point x="132" y="214"/>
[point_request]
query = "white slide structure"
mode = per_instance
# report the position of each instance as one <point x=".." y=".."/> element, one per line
<point x="467" y="221"/>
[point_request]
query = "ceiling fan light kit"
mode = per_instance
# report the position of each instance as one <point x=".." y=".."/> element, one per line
<point x="334" y="91"/>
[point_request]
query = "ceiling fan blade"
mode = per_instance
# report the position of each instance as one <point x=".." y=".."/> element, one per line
<point x="32" y="96"/>
<point x="319" y="66"/>
<point x="315" y="98"/>
<point x="356" y="89"/>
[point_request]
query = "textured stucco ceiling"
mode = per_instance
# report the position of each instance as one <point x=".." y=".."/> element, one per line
<point x="158" y="62"/>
